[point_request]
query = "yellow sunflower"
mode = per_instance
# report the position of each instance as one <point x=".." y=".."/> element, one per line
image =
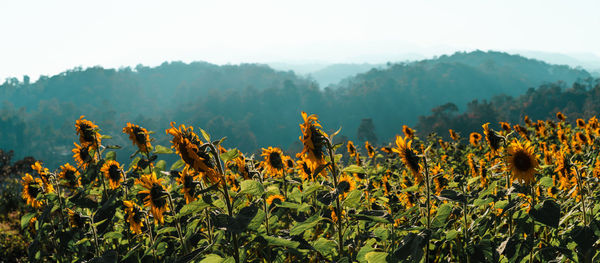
<point x="155" y="196"/>
<point x="187" y="146"/>
<point x="304" y="170"/>
<point x="522" y="161"/>
<point x="138" y="136"/>
<point x="135" y="216"/>
<point x="188" y="179"/>
<point x="345" y="185"/>
<point x="370" y="149"/>
<point x="81" y="155"/>
<point x="274" y="161"/>
<point x="351" y="148"/>
<point x="528" y="121"/>
<point x="75" y="219"/>
<point x="409" y="157"/>
<point x="44" y="174"/>
<point x="453" y="135"/>
<point x="277" y="199"/>
<point x="505" y="126"/>
<point x="492" y="138"/>
<point x="240" y="162"/>
<point x="408" y="132"/>
<point x="70" y="176"/>
<point x="581" y="123"/>
<point x="87" y="131"/>
<point x="31" y="188"/>
<point x="112" y="171"/>
<point x="313" y="140"/>
<point x="474" y="138"/>
<point x="560" y="116"/>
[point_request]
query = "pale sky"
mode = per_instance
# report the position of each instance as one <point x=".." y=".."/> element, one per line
<point x="49" y="37"/>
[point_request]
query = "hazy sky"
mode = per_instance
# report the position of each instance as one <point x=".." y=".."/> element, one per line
<point x="48" y="37"/>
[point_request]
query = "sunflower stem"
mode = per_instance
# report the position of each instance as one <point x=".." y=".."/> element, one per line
<point x="428" y="207"/>
<point x="178" y="225"/>
<point x="95" y="236"/>
<point x="579" y="187"/>
<point x="151" y="238"/>
<point x="334" y="172"/>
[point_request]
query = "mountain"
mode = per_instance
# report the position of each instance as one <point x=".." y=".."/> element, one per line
<point x="335" y="73"/>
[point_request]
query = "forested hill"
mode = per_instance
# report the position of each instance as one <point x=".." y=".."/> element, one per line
<point x="253" y="105"/>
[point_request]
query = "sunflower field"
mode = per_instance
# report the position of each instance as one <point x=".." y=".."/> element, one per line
<point x="515" y="194"/>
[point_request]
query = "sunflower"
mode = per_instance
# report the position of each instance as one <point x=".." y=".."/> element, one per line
<point x="540" y="128"/>
<point x="522" y="161"/>
<point x="505" y="126"/>
<point x="345" y="185"/>
<point x="274" y="162"/>
<point x="187" y="146"/>
<point x="112" y="171"/>
<point x="351" y="148"/>
<point x="453" y="135"/>
<point x="483" y="173"/>
<point x="188" y="179"/>
<point x="82" y="156"/>
<point x="553" y="192"/>
<point x="409" y="157"/>
<point x="408" y="132"/>
<point x="138" y="136"/>
<point x="492" y="138"/>
<point x="370" y="149"/>
<point x="70" y="175"/>
<point x="528" y="121"/>
<point x="155" y="195"/>
<point x="581" y="138"/>
<point x="560" y="116"/>
<point x="304" y="170"/>
<point x="43" y="173"/>
<point x="522" y="131"/>
<point x="240" y="162"/>
<point x="75" y="219"/>
<point x="474" y="138"/>
<point x="313" y="140"/>
<point x="31" y="188"/>
<point x="135" y="216"/>
<point x="87" y="131"/>
<point x="277" y="199"/>
<point x="581" y="123"/>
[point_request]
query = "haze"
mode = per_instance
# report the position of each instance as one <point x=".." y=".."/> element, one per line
<point x="48" y="37"/>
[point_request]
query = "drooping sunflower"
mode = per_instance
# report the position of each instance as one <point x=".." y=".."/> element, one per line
<point x="560" y="116"/>
<point x="274" y="161"/>
<point x="70" y="176"/>
<point x="313" y="140"/>
<point x="492" y="138"/>
<point x="31" y="188"/>
<point x="112" y="171"/>
<point x="187" y="146"/>
<point x="522" y="131"/>
<point x="81" y="155"/>
<point x="474" y="138"/>
<point x="277" y="199"/>
<point x="75" y="219"/>
<point x="155" y="196"/>
<point x="505" y="126"/>
<point x="581" y="123"/>
<point x="304" y="170"/>
<point x="408" y="132"/>
<point x="370" y="149"/>
<point x="409" y="157"/>
<point x="135" y="216"/>
<point x="453" y="135"/>
<point x="87" y="131"/>
<point x="345" y="185"/>
<point x="138" y="136"/>
<point x="351" y="148"/>
<point x="522" y="161"/>
<point x="188" y="179"/>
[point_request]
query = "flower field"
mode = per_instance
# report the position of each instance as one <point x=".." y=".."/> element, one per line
<point x="518" y="193"/>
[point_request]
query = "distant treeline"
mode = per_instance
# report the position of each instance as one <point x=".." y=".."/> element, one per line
<point x="253" y="105"/>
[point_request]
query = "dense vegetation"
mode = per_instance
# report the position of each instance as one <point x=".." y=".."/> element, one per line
<point x="253" y="105"/>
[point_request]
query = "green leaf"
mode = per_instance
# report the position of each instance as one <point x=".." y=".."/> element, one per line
<point x="229" y="155"/>
<point x="212" y="258"/>
<point x="81" y="241"/>
<point x="159" y="149"/>
<point x="441" y="215"/>
<point x="161" y="165"/>
<point x="481" y="202"/>
<point x="113" y="235"/>
<point x="104" y="136"/>
<point x="96" y="224"/>
<point x="326" y="247"/>
<point x="192" y="208"/>
<point x="176" y="165"/>
<point x="282" y="242"/>
<point x="25" y="220"/>
<point x="376" y="257"/>
<point x="548" y="213"/>
<point x="448" y="194"/>
<point x="353" y="199"/>
<point x="309" y="223"/>
<point x="166" y="230"/>
<point x="111" y="155"/>
<point x="547" y="181"/>
<point x="205" y="135"/>
<point x="451" y="234"/>
<point x="252" y="187"/>
<point x="354" y="169"/>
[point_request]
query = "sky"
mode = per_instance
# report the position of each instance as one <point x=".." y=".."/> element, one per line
<point x="49" y="37"/>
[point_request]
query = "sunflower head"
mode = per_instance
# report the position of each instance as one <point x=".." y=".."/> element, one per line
<point x="88" y="132"/>
<point x="492" y="138"/>
<point x="453" y="135"/>
<point x="345" y="185"/>
<point x="303" y="169"/>
<point x="522" y="161"/>
<point x="135" y="216"/>
<point x="275" y="199"/>
<point x="138" y="136"/>
<point x="474" y="138"/>
<point x="76" y="220"/>
<point x="70" y="176"/>
<point x="408" y="132"/>
<point x="351" y="148"/>
<point x="274" y="161"/>
<point x="522" y="131"/>
<point x="560" y="116"/>
<point x="505" y="126"/>
<point x="370" y="149"/>
<point x="113" y="172"/>
<point x="31" y="188"/>
<point x="83" y="155"/>
<point x="528" y="121"/>
<point x="408" y="156"/>
<point x="188" y="146"/>
<point x="155" y="196"/>
<point x="188" y="179"/>
<point x="313" y="139"/>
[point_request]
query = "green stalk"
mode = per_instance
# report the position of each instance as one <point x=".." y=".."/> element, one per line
<point x="178" y="225"/>
<point x="334" y="172"/>
<point x="428" y="207"/>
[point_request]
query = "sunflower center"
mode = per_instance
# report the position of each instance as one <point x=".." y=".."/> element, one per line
<point x="84" y="154"/>
<point x="188" y="182"/>
<point x="87" y="132"/>
<point x="343" y="186"/>
<point x="317" y="141"/>
<point x="306" y="169"/>
<point x="275" y="160"/>
<point x="140" y="136"/>
<point x="290" y="163"/>
<point x="33" y="190"/>
<point x="157" y="195"/>
<point x="114" y="173"/>
<point x="522" y="161"/>
<point x="412" y="159"/>
<point x="137" y="215"/>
